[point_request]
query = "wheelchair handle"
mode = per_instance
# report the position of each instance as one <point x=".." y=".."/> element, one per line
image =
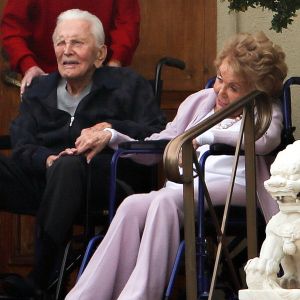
<point x="170" y="62"/>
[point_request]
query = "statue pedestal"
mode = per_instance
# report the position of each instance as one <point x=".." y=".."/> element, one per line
<point x="275" y="294"/>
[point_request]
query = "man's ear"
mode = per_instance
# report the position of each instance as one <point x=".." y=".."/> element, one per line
<point x="101" y="55"/>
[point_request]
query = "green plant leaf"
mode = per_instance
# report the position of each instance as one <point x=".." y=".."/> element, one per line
<point x="284" y="10"/>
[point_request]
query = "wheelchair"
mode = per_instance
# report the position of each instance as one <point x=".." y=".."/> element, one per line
<point x="236" y="226"/>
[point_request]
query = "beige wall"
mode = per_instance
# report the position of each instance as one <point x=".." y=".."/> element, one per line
<point x="257" y="19"/>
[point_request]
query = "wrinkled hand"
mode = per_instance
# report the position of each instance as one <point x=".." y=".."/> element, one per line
<point x="180" y="158"/>
<point x="195" y="144"/>
<point x="29" y="75"/>
<point x="92" y="141"/>
<point x="52" y="158"/>
<point x="99" y="126"/>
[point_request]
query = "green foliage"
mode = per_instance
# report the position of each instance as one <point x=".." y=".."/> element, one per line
<point x="284" y="10"/>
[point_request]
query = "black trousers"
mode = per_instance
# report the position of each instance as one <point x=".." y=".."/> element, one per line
<point x="19" y="192"/>
<point x="60" y="197"/>
<point x="71" y="184"/>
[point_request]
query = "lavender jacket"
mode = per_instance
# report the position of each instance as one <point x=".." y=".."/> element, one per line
<point x="191" y="112"/>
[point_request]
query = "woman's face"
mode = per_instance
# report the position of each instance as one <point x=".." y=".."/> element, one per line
<point x="76" y="51"/>
<point x="229" y="87"/>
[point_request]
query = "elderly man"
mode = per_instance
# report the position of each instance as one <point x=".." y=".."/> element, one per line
<point x="62" y="131"/>
<point x="26" y="27"/>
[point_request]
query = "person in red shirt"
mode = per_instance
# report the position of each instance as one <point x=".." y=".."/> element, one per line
<point x="27" y="27"/>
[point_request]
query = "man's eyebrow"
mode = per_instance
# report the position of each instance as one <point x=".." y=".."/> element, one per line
<point x="72" y="38"/>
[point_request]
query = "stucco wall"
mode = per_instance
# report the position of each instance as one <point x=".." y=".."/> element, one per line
<point x="255" y="20"/>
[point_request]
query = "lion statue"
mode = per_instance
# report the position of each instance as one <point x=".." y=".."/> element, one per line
<point x="280" y="252"/>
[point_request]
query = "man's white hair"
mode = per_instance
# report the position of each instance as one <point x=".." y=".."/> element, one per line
<point x="78" y="14"/>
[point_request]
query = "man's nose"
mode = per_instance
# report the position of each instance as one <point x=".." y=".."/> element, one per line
<point x="68" y="49"/>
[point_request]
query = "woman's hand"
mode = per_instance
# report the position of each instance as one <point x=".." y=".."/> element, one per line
<point x="93" y="140"/>
<point x="195" y="144"/>
<point x="99" y="126"/>
<point x="90" y="142"/>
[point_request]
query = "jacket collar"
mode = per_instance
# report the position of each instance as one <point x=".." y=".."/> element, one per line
<point x="44" y="88"/>
<point x="104" y="77"/>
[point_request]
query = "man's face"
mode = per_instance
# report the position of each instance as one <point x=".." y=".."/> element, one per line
<point x="76" y="51"/>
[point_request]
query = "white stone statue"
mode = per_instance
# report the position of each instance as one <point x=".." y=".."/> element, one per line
<point x="282" y="243"/>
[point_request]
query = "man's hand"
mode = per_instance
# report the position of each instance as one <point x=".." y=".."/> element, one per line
<point x="29" y="75"/>
<point x="92" y="141"/>
<point x="52" y="158"/>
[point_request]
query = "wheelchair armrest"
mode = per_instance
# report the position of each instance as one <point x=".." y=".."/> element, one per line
<point x="5" y="143"/>
<point x="144" y="145"/>
<point x="222" y="149"/>
<point x="134" y="147"/>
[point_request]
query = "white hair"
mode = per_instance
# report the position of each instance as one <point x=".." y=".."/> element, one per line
<point x="78" y="14"/>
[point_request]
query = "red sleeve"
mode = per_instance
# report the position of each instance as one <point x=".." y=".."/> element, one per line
<point x="15" y="31"/>
<point x="125" y="31"/>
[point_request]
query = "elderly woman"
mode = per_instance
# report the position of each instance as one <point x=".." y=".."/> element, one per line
<point x="135" y="258"/>
<point x="60" y="132"/>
